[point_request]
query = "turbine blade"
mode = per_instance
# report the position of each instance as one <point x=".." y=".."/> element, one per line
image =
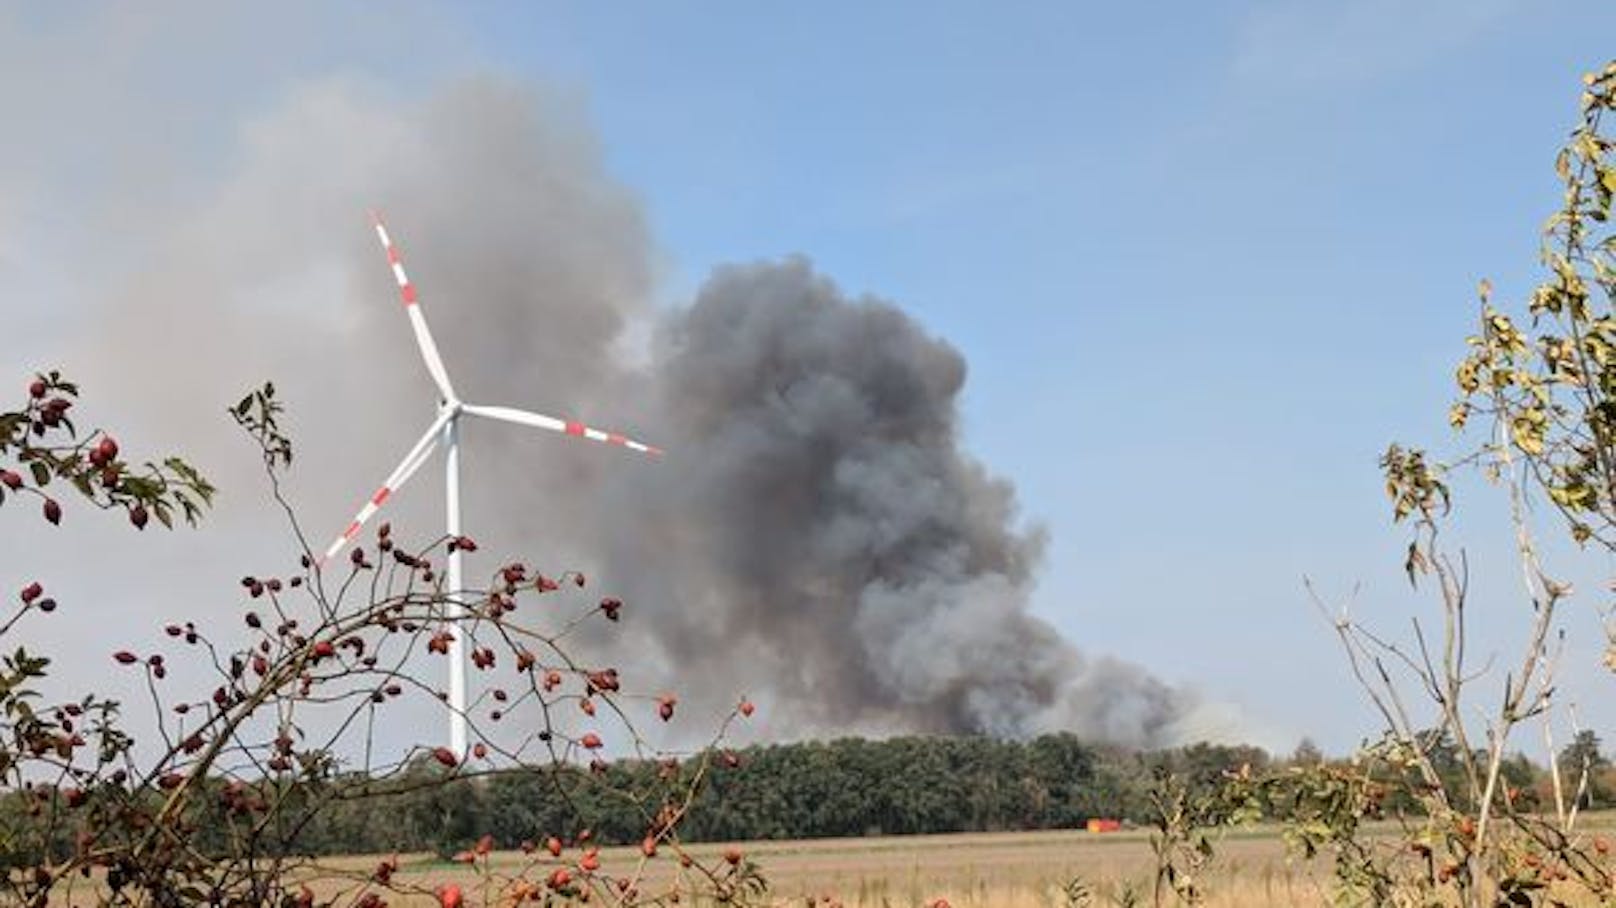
<point x="412" y="307"/>
<point x="395" y="480"/>
<point x="564" y="426"/>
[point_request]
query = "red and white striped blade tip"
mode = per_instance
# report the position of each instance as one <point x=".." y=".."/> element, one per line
<point x="580" y="430"/>
<point x="365" y="513"/>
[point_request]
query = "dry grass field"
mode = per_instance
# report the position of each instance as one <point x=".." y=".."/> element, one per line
<point x="975" y="870"/>
<point x="989" y="870"/>
<point x="1015" y="870"/>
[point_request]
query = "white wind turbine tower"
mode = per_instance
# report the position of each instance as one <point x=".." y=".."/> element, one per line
<point x="445" y="429"/>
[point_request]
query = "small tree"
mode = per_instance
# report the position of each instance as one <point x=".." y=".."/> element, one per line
<point x="1307" y="753"/>
<point x="1470" y="833"/>
<point x="1548" y="400"/>
<point x="1581" y="760"/>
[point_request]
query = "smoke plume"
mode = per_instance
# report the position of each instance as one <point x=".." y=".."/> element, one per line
<point x="819" y="517"/>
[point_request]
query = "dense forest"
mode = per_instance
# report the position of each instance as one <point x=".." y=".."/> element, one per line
<point x="844" y="787"/>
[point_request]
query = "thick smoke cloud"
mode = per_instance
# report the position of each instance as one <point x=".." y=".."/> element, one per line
<point x="817" y="538"/>
<point x="818" y="515"/>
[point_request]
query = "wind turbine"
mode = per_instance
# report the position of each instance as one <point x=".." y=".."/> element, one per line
<point x="445" y="429"/>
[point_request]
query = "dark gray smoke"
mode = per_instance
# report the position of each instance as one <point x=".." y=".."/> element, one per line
<point x="817" y="537"/>
<point x="819" y="519"/>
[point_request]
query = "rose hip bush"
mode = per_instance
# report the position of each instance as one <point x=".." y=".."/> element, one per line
<point x="213" y="805"/>
<point x="40" y="446"/>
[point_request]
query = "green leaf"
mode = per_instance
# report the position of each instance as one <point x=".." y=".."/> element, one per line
<point x="42" y="474"/>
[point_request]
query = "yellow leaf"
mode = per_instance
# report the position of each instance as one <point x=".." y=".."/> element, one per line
<point x="1528" y="437"/>
<point x="1466" y="377"/>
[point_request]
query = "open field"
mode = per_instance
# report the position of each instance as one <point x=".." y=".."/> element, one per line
<point x="973" y="870"/>
<point x="1009" y="869"/>
<point x="969" y="870"/>
<point x="977" y="870"/>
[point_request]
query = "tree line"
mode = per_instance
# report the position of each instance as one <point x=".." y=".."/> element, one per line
<point x="813" y="789"/>
<point x="849" y="787"/>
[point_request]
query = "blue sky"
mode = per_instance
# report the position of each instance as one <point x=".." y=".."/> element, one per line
<point x="1205" y="260"/>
